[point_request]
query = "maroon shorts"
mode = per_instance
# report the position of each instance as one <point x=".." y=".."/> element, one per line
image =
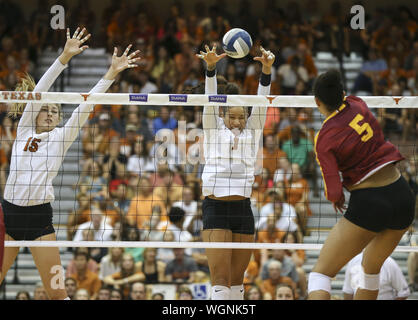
<point x="2" y="233"/>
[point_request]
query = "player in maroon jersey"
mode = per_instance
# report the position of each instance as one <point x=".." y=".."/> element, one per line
<point x="381" y="205"/>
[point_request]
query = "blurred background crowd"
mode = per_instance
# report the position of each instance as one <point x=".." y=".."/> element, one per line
<point x="124" y="194"/>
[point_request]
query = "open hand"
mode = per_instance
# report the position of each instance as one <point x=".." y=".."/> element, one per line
<point x="73" y="46"/>
<point x="267" y="58"/>
<point x="123" y="62"/>
<point x="210" y="57"/>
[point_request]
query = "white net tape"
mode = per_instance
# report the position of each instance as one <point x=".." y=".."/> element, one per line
<point x="165" y="244"/>
<point x="193" y="99"/>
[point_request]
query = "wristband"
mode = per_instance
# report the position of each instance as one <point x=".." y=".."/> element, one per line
<point x="265" y="79"/>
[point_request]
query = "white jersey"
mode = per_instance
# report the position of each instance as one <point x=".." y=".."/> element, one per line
<point x="392" y="281"/>
<point x="230" y="160"/>
<point x="37" y="158"/>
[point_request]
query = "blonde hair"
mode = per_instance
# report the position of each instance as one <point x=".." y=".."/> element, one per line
<point x="27" y="83"/>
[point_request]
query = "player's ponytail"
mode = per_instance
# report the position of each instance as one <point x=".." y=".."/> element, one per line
<point x="27" y="83"/>
<point x="329" y="89"/>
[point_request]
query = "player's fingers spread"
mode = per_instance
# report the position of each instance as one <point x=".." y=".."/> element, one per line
<point x="81" y="33"/>
<point x="115" y="52"/>
<point x="86" y="38"/>
<point x="132" y="65"/>
<point x="76" y="33"/>
<point x="127" y="50"/>
<point x="214" y="48"/>
<point x="84" y="48"/>
<point x="68" y="33"/>
<point x="207" y="48"/>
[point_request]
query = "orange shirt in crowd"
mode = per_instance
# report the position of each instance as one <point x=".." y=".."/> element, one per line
<point x="250" y="274"/>
<point x="140" y="210"/>
<point x="272" y="119"/>
<point x="125" y="287"/>
<point x="271" y="160"/>
<point x="90" y="282"/>
<point x="263" y="236"/>
<point x="295" y="190"/>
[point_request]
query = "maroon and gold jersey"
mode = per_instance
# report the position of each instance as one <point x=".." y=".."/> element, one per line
<point x="351" y="141"/>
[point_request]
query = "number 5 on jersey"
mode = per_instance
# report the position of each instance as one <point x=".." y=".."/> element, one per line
<point x="365" y="127"/>
<point x="32" y="146"/>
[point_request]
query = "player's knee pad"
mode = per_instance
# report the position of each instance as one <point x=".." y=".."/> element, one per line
<point x="369" y="281"/>
<point x="318" y="281"/>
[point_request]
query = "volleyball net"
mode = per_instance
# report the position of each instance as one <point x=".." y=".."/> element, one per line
<point x="133" y="218"/>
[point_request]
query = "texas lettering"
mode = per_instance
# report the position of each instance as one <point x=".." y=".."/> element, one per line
<point x="17" y="95"/>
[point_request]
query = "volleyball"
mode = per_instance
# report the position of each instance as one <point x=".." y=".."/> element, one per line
<point x="237" y="43"/>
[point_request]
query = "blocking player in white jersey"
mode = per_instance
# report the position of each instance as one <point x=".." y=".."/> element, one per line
<point x="37" y="155"/>
<point x="230" y="149"/>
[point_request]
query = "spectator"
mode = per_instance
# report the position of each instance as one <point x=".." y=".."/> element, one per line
<point x="116" y="294"/>
<point x="169" y="191"/>
<point x="79" y="215"/>
<point x="70" y="287"/>
<point x="157" y="296"/>
<point x="288" y="268"/>
<point x="92" y="181"/>
<point x="298" y="257"/>
<point x="96" y="138"/>
<point x="176" y="218"/>
<point x="114" y="161"/>
<point x="299" y="150"/>
<point x="370" y="70"/>
<point x="297" y="195"/>
<point x="181" y="269"/>
<point x="144" y="85"/>
<point x="151" y="267"/>
<point x="111" y="263"/>
<point x="163" y="68"/>
<point x="189" y="205"/>
<point x="92" y="265"/>
<point x="131" y="233"/>
<point x="85" y="278"/>
<point x="284" y="172"/>
<point x="272" y="155"/>
<point x="184" y="293"/>
<point x="127" y="275"/>
<point x="289" y="74"/>
<point x="141" y="207"/>
<point x="40" y="292"/>
<point x="22" y="295"/>
<point x="140" y="161"/>
<point x="284" y="214"/>
<point x="306" y="60"/>
<point x="96" y="229"/>
<point x="164" y="121"/>
<point x="274" y="278"/>
<point x="127" y="143"/>
<point x="104" y="293"/>
<point x="270" y="234"/>
<point x="392" y="284"/>
<point x="82" y="294"/>
<point x="138" y="291"/>
<point x="284" y="292"/>
<point x="394" y="121"/>
<point x="253" y="293"/>
<point x="119" y="202"/>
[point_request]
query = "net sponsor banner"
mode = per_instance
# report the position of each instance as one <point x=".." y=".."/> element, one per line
<point x="194" y="99"/>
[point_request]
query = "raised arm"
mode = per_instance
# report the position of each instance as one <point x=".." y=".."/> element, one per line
<point x="210" y="113"/>
<point x="258" y="114"/>
<point x="81" y="114"/>
<point x="73" y="47"/>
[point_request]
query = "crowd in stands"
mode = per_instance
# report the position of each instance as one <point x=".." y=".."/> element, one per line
<point x="125" y="194"/>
